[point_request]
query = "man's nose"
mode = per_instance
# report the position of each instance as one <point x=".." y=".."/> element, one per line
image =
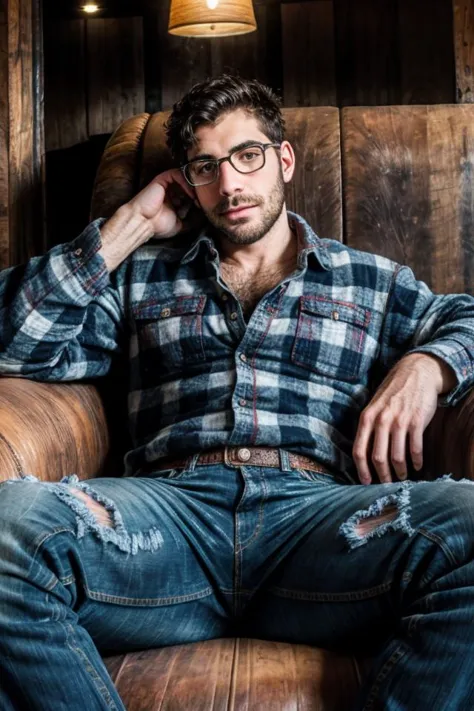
<point x="230" y="180"/>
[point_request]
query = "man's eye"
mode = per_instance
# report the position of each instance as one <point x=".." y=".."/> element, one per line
<point x="204" y="168"/>
<point x="249" y="156"/>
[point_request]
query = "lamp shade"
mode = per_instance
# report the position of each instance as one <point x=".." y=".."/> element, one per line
<point x="211" y="18"/>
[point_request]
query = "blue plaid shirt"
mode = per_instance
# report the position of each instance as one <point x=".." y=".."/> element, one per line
<point x="296" y="376"/>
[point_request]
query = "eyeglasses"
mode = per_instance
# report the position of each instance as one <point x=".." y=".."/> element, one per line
<point x="204" y="171"/>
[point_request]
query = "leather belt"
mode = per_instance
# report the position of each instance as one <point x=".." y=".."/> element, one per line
<point x="237" y="456"/>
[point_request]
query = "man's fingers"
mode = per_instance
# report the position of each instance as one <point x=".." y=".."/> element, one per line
<point x="360" y="448"/>
<point x="381" y="446"/>
<point x="398" y="452"/>
<point x="416" y="446"/>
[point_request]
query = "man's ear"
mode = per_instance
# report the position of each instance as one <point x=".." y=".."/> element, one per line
<point x="287" y="157"/>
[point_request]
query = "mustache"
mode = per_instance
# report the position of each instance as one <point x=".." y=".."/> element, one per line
<point x="236" y="201"/>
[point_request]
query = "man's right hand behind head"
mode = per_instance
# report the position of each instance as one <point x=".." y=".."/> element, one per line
<point x="156" y="211"/>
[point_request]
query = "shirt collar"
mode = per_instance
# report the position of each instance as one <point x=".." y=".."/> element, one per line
<point x="308" y="243"/>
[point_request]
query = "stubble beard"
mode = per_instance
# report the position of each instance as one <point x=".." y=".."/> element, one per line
<point x="243" y="231"/>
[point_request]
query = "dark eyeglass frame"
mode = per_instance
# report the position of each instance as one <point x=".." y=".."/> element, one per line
<point x="218" y="162"/>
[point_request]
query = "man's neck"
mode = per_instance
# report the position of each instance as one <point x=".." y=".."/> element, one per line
<point x="278" y="246"/>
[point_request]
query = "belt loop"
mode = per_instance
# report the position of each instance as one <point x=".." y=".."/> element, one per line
<point x="191" y="462"/>
<point x="284" y="460"/>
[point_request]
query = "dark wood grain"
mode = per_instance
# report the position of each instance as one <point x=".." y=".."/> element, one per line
<point x="65" y="76"/>
<point x="309" y="54"/>
<point x="464" y="50"/>
<point x="367" y="53"/>
<point x="116" y="89"/>
<point x="426" y="52"/>
<point x="408" y="189"/>
<point x="21" y="141"/>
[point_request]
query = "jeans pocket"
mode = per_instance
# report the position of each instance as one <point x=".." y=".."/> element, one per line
<point x="319" y="477"/>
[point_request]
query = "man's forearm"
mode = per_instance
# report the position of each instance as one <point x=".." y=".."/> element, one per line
<point x="126" y="230"/>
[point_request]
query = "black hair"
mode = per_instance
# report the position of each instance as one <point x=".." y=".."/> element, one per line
<point x="209" y="100"/>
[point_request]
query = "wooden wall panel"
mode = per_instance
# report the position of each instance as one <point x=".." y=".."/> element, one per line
<point x="65" y="84"/>
<point x="426" y="51"/>
<point x="464" y="50"/>
<point x="115" y="72"/>
<point x="408" y="189"/>
<point x="308" y="54"/>
<point x="367" y="55"/>
<point x="315" y="191"/>
<point x="256" y="55"/>
<point x="21" y="132"/>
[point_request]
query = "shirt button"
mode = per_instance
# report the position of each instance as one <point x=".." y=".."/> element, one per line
<point x="234" y="315"/>
<point x="242" y="402"/>
<point x="165" y="313"/>
<point x="243" y="357"/>
<point x="225" y="297"/>
<point x="78" y="252"/>
<point x="244" y="454"/>
<point x="335" y="315"/>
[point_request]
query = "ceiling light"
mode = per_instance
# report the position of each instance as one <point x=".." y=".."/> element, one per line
<point x="90" y="9"/>
<point x="211" y="18"/>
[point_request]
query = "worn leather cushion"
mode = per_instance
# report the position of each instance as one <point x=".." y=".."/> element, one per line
<point x="237" y="674"/>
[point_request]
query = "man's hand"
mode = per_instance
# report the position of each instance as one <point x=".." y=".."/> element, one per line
<point x="401" y="408"/>
<point x="158" y="210"/>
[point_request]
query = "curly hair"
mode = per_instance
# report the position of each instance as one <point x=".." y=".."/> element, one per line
<point x="210" y="99"/>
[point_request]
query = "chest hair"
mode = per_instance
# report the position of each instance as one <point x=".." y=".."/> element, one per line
<point x="250" y="288"/>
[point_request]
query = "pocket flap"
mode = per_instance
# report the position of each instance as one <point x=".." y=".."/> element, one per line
<point x="177" y="306"/>
<point x="336" y="310"/>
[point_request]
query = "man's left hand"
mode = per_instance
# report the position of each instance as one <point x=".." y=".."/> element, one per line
<point x="401" y="408"/>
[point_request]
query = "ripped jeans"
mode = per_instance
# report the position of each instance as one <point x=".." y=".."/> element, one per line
<point x="115" y="565"/>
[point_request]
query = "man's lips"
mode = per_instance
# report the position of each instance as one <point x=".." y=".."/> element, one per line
<point x="237" y="210"/>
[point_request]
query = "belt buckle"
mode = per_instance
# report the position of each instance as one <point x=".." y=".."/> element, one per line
<point x="236" y="456"/>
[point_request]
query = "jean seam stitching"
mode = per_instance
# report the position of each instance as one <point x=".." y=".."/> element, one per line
<point x="442" y="544"/>
<point x="152" y="602"/>
<point x="91" y="671"/>
<point x="381" y="676"/>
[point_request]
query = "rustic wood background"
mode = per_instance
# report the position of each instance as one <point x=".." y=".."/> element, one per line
<point x="99" y="71"/>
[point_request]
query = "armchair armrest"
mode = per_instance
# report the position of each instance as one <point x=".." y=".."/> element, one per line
<point x="449" y="441"/>
<point x="51" y="430"/>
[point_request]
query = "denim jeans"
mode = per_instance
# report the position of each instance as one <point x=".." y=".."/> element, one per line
<point x="219" y="550"/>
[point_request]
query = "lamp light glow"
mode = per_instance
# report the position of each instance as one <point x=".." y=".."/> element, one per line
<point x="211" y="18"/>
<point x="90" y="8"/>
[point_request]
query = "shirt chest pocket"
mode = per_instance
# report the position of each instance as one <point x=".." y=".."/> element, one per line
<point x="172" y="328"/>
<point x="332" y="338"/>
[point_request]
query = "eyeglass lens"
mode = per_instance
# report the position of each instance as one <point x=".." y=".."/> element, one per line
<point x="247" y="160"/>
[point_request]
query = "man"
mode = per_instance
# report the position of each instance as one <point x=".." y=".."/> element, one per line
<point x="252" y="349"/>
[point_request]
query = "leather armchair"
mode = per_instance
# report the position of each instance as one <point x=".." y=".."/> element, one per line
<point x="52" y="430"/>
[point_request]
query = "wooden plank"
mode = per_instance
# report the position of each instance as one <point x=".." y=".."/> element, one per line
<point x="367" y="59"/>
<point x="426" y="52"/>
<point x="315" y="191"/>
<point x="4" y="146"/>
<point x="21" y="149"/>
<point x="65" y="76"/>
<point x="309" y="54"/>
<point x="257" y="55"/>
<point x="184" y="61"/>
<point x="116" y="88"/>
<point x="464" y="50"/>
<point x="408" y="189"/>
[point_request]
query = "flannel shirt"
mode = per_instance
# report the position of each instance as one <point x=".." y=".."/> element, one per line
<point x="296" y="376"/>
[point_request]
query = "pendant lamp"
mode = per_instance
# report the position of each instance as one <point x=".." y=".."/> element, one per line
<point x="211" y="18"/>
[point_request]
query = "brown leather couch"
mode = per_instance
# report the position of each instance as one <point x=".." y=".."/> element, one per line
<point x="392" y="177"/>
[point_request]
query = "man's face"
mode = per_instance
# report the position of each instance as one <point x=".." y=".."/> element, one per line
<point x="243" y="207"/>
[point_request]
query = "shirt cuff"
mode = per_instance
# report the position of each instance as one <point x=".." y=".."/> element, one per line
<point x="460" y="359"/>
<point x="87" y="265"/>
